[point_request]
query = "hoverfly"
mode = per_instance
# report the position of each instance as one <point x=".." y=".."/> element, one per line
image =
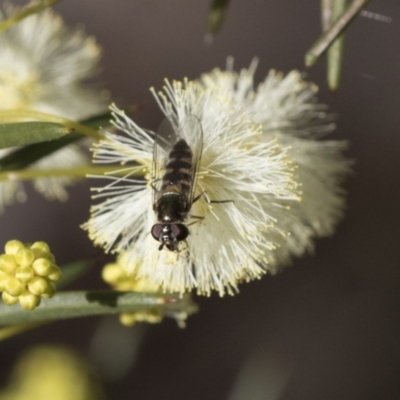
<point x="176" y="160"/>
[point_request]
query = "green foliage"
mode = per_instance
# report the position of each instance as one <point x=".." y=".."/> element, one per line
<point x="88" y="303"/>
<point x="25" y="133"/>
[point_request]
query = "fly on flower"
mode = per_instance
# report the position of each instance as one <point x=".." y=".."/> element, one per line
<point x="176" y="159"/>
<point x="262" y="148"/>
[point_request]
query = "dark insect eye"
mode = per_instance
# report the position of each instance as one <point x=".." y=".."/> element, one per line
<point x="180" y="231"/>
<point x="156" y="231"/>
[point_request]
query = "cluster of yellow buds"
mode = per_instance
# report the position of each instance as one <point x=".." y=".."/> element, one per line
<point x="116" y="275"/>
<point x="27" y="273"/>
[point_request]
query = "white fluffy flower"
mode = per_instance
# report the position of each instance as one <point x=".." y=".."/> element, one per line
<point x="260" y="150"/>
<point x="44" y="66"/>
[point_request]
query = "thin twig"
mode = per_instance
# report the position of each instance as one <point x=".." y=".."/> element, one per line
<point x="338" y="27"/>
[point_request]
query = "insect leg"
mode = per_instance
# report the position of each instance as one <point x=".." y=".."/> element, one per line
<point x="208" y="200"/>
<point x="196" y="216"/>
<point x="178" y="253"/>
<point x="154" y="186"/>
<point x="192" y="223"/>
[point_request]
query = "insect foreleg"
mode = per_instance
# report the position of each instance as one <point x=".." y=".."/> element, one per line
<point x="154" y="186"/>
<point x="196" y="216"/>
<point x="208" y="200"/>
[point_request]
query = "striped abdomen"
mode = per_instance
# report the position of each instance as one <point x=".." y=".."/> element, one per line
<point x="179" y="169"/>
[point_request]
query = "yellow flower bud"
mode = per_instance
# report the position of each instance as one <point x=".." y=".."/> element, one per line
<point x="24" y="257"/>
<point x="127" y="319"/>
<point x="3" y="279"/>
<point x="42" y="266"/>
<point x="143" y="285"/>
<point x="13" y="246"/>
<point x="55" y="273"/>
<point x="51" y="290"/>
<point x="112" y="273"/>
<point x="29" y="301"/>
<point x="44" y="247"/>
<point x="123" y="286"/>
<point x="8" y="299"/>
<point x="51" y="257"/>
<point x="38" y="253"/>
<point x="14" y="287"/>
<point x="150" y="316"/>
<point x="38" y="285"/>
<point x="24" y="274"/>
<point x="8" y="264"/>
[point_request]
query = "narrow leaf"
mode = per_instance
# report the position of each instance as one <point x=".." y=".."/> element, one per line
<point x="216" y="17"/>
<point x="338" y="27"/>
<point x="85" y="171"/>
<point x="82" y="304"/>
<point x="25" y="133"/>
<point x="24" y="156"/>
<point x="326" y="14"/>
<point x="72" y="271"/>
<point x="23" y="115"/>
<point x="335" y="51"/>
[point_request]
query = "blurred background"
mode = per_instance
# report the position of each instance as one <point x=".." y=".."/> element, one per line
<point x="327" y="327"/>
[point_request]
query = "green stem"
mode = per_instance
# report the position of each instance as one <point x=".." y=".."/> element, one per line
<point x="78" y="172"/>
<point x="23" y="115"/>
<point x="338" y="27"/>
<point x="26" y="12"/>
<point x="335" y="51"/>
<point x="326" y="14"/>
<point x="76" y="304"/>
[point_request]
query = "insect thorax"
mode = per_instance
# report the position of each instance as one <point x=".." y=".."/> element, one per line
<point x="171" y="207"/>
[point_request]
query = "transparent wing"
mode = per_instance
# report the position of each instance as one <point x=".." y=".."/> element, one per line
<point x="190" y="129"/>
<point x="167" y="135"/>
<point x="164" y="140"/>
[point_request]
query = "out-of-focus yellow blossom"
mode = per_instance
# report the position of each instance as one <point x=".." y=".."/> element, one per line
<point x="27" y="273"/>
<point x="51" y="373"/>
<point x="47" y="67"/>
<point x="117" y="276"/>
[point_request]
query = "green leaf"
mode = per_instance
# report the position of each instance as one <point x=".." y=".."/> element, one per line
<point x="82" y="304"/>
<point x="41" y="144"/>
<point x="335" y="51"/>
<point x="216" y="16"/>
<point x="72" y="271"/>
<point x="24" y="156"/>
<point x="98" y="121"/>
<point x="24" y="133"/>
<point x="23" y="115"/>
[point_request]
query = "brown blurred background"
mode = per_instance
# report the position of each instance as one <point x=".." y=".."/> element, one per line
<point x="325" y="328"/>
